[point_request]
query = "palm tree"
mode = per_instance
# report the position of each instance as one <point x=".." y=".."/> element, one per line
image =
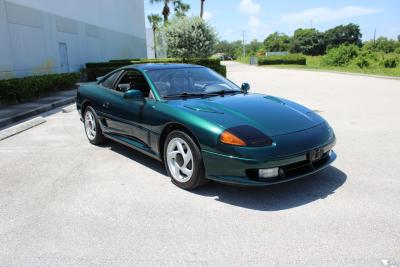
<point x="154" y="20"/>
<point x="201" y="8"/>
<point x="179" y="7"/>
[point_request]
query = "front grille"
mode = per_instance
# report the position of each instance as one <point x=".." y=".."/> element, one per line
<point x="291" y="170"/>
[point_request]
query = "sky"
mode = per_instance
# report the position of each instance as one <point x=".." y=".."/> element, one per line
<point x="259" y="18"/>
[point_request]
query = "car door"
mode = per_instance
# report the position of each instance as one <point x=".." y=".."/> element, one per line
<point x="129" y="118"/>
<point x="100" y="98"/>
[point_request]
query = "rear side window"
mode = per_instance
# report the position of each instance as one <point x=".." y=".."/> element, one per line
<point x="109" y="81"/>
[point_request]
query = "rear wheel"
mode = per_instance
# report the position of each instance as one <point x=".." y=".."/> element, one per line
<point x="183" y="161"/>
<point x="92" y="127"/>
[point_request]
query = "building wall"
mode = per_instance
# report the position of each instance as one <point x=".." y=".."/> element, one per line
<point x="32" y="33"/>
<point x="150" y="43"/>
<point x="161" y="45"/>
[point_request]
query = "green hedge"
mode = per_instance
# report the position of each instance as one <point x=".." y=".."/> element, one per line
<point x="24" y="89"/>
<point x="94" y="70"/>
<point x="284" y="59"/>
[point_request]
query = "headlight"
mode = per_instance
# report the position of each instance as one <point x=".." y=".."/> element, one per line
<point x="244" y="135"/>
<point x="231" y="139"/>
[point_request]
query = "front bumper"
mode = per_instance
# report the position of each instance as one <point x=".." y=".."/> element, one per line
<point x="240" y="171"/>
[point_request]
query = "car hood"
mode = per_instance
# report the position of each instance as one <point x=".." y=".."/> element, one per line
<point x="272" y="115"/>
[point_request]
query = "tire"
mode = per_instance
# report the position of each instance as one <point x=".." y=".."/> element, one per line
<point x="183" y="162"/>
<point x="92" y="127"/>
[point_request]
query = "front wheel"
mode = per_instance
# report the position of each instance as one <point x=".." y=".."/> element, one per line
<point x="183" y="161"/>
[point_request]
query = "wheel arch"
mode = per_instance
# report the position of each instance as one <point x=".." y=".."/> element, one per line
<point x="85" y="103"/>
<point x="172" y="127"/>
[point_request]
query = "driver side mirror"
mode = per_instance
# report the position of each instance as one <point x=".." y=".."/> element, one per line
<point x="123" y="87"/>
<point x="245" y="87"/>
<point x="134" y="94"/>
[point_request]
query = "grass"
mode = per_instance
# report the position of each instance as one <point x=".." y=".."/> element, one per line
<point x="244" y="60"/>
<point x="314" y="63"/>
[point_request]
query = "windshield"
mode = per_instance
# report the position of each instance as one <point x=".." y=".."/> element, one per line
<point x="190" y="81"/>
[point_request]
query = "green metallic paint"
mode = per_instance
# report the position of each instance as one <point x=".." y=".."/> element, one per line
<point x="242" y="180"/>
<point x="294" y="129"/>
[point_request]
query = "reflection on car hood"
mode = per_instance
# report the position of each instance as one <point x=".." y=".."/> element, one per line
<point x="272" y="115"/>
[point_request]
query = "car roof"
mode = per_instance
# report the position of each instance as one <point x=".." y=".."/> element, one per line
<point x="161" y="66"/>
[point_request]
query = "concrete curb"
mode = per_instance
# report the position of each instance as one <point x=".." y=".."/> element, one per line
<point x="69" y="109"/>
<point x="21" y="127"/>
<point x="36" y="111"/>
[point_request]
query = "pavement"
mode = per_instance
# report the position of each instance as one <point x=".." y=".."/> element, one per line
<point x="66" y="202"/>
<point x="16" y="113"/>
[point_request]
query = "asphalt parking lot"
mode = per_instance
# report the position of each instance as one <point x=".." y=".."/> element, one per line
<point x="66" y="202"/>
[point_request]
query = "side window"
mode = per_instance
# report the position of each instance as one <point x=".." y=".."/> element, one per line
<point x="109" y="81"/>
<point x="132" y="79"/>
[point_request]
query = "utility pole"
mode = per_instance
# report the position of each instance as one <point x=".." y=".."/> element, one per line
<point x="244" y="46"/>
<point x="374" y="36"/>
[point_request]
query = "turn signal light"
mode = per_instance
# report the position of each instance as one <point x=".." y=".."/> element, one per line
<point x="231" y="139"/>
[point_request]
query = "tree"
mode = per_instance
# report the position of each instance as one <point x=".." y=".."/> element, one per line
<point x="381" y="44"/>
<point x="277" y="42"/>
<point x="202" y="8"/>
<point x="253" y="47"/>
<point x="180" y="8"/>
<point x="155" y="21"/>
<point x="343" y="34"/>
<point x="398" y="37"/>
<point x="190" y="37"/>
<point x="228" y="48"/>
<point x="308" y="42"/>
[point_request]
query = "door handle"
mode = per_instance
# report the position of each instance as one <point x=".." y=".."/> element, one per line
<point x="106" y="105"/>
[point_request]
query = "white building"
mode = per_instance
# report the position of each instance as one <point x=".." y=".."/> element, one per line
<point x="161" y="45"/>
<point x="150" y="43"/>
<point x="53" y="36"/>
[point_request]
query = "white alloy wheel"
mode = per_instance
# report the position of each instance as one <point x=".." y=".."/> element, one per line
<point x="180" y="160"/>
<point x="90" y="125"/>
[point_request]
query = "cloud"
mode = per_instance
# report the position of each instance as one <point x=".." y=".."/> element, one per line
<point x="324" y="14"/>
<point x="249" y="7"/>
<point x="207" y="15"/>
<point x="256" y="27"/>
<point x="254" y="22"/>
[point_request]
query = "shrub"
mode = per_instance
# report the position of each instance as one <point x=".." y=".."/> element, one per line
<point x="190" y="37"/>
<point x="365" y="58"/>
<point x="340" y="56"/>
<point x="283" y="59"/>
<point x="397" y="50"/>
<point x="362" y="62"/>
<point x="23" y="89"/>
<point x="221" y="69"/>
<point x="391" y="61"/>
<point x="95" y="70"/>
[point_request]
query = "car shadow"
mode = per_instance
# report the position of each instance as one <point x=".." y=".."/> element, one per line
<point x="279" y="196"/>
<point x="268" y="198"/>
<point x="136" y="156"/>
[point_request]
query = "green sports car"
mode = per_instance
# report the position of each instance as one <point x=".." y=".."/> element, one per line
<point x="204" y="127"/>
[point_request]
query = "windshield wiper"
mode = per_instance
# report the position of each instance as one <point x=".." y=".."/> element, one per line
<point x="184" y="94"/>
<point x="222" y="92"/>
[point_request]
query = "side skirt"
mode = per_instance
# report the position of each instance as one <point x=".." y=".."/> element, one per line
<point x="133" y="144"/>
